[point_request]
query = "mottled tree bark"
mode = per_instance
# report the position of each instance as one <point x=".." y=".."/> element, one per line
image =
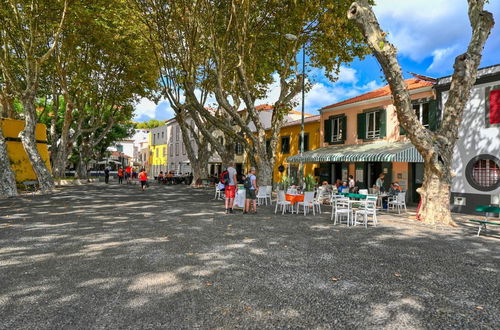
<point x="435" y="147"/>
<point x="27" y="135"/>
<point x="7" y="177"/>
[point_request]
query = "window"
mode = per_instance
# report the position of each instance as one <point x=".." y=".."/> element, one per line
<point x="336" y="129"/>
<point x="171" y="150"/>
<point x="119" y="148"/>
<point x="483" y="172"/>
<point x="422" y="112"/>
<point x="373" y="125"/>
<point x="162" y="135"/>
<point x="183" y="149"/>
<point x="492" y="100"/>
<point x="285" y="144"/>
<point x="177" y="133"/>
<point x="177" y="149"/>
<point x="306" y="141"/>
<point x="239" y="148"/>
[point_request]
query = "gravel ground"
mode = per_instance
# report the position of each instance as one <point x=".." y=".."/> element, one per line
<point x="100" y="256"/>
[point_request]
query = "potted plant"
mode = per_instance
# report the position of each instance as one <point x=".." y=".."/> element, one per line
<point x="310" y="183"/>
<point x="285" y="183"/>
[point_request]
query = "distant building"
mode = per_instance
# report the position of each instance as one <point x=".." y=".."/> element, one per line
<point x="158" y="150"/>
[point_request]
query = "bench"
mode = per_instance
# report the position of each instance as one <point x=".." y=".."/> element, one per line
<point x="31" y="186"/>
<point x="483" y="223"/>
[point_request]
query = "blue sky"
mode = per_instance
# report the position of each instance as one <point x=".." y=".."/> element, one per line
<point x="428" y="34"/>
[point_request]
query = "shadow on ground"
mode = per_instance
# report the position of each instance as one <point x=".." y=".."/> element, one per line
<point x="101" y="256"/>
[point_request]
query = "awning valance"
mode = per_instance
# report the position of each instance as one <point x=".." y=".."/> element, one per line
<point x="367" y="152"/>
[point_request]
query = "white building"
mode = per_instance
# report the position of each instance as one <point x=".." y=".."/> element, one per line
<point x="476" y="161"/>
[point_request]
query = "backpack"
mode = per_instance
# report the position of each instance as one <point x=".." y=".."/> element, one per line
<point x="224" y="177"/>
<point x="248" y="182"/>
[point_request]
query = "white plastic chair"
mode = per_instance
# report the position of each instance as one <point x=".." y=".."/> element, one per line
<point x="318" y="200"/>
<point x="363" y="191"/>
<point x="307" y="203"/>
<point x="342" y="208"/>
<point x="370" y="209"/>
<point x="281" y="201"/>
<point x="218" y="192"/>
<point x="261" y="196"/>
<point x="399" y="202"/>
<point x="269" y="192"/>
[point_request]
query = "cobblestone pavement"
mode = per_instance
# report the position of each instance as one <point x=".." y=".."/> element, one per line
<point x="100" y="256"/>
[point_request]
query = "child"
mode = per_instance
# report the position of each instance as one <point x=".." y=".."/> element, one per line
<point x="143" y="177"/>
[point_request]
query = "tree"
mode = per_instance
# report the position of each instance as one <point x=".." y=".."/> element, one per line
<point x="234" y="49"/>
<point x="435" y="147"/>
<point x="152" y="123"/>
<point x="28" y="39"/>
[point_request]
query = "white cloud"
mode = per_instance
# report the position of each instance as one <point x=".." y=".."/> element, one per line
<point x="442" y="57"/>
<point x="145" y="107"/>
<point x="347" y="75"/>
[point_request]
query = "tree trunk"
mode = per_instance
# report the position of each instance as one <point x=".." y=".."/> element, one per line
<point x="200" y="171"/>
<point x="27" y="135"/>
<point x="265" y="172"/>
<point x="7" y="177"/>
<point x="435" y="196"/>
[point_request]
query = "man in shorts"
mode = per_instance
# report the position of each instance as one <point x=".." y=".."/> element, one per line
<point x="251" y="192"/>
<point x="230" y="189"/>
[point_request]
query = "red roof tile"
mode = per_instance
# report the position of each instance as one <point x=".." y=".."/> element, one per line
<point x="411" y="83"/>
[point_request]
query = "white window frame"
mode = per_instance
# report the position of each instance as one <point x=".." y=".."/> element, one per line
<point x="177" y="149"/>
<point x="372" y="116"/>
<point x="420" y="113"/>
<point x="336" y="134"/>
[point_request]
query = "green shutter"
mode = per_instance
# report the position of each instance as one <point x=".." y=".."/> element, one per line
<point x="401" y="130"/>
<point x="433" y="120"/>
<point x="344" y="128"/>
<point x="328" y="130"/>
<point x="383" y="123"/>
<point x="361" y="126"/>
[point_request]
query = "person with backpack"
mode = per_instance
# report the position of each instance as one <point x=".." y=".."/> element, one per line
<point x="143" y="177"/>
<point x="251" y="191"/>
<point x="229" y="181"/>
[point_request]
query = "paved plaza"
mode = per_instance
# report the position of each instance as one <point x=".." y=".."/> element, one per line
<point x="100" y="256"/>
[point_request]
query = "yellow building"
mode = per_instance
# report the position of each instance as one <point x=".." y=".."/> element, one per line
<point x="289" y="144"/>
<point x="19" y="160"/>
<point x="158" y="151"/>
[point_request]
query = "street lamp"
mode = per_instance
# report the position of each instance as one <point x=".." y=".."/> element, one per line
<point x="293" y="37"/>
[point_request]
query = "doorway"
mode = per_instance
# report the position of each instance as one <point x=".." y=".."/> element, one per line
<point x="416" y="180"/>
<point x="336" y="172"/>
<point x="373" y="170"/>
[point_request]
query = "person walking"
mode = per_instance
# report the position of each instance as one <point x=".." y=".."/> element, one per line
<point x="230" y="187"/>
<point x="106" y="175"/>
<point x="251" y="192"/>
<point x="128" y="174"/>
<point x="143" y="177"/>
<point x="120" y="175"/>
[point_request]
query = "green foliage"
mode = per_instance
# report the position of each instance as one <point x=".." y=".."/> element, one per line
<point x="150" y="124"/>
<point x="310" y="182"/>
<point x="285" y="182"/>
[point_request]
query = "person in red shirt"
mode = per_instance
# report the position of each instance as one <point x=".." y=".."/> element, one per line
<point x="128" y="174"/>
<point x="143" y="177"/>
<point x="120" y="175"/>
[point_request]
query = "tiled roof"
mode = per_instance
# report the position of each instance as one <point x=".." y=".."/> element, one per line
<point x="412" y="83"/>
<point x="309" y="119"/>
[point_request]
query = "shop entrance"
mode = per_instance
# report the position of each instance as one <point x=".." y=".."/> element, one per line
<point x="336" y="172"/>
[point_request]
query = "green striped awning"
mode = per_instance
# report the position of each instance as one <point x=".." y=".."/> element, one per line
<point x="367" y="152"/>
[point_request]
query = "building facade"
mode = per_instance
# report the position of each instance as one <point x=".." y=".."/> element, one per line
<point x="476" y="161"/>
<point x="361" y="137"/>
<point x="158" y="137"/>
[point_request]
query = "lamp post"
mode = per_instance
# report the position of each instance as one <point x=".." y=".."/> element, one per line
<point x="293" y="37"/>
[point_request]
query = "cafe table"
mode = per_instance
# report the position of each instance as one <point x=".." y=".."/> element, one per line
<point x="294" y="198"/>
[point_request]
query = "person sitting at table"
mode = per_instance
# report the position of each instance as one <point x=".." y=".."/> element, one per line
<point x="338" y="183"/>
<point x="160" y="177"/>
<point x="344" y="188"/>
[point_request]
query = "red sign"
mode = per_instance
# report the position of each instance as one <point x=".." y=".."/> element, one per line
<point x="495" y="107"/>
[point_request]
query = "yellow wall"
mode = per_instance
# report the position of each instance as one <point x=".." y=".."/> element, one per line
<point x="19" y="160"/>
<point x="294" y="132"/>
<point x="161" y="159"/>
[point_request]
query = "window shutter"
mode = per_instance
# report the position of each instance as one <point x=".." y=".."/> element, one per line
<point x="433" y="119"/>
<point x="401" y="130"/>
<point x="383" y="123"/>
<point x="328" y="130"/>
<point x="361" y="126"/>
<point x="344" y="128"/>
<point x="494" y="106"/>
